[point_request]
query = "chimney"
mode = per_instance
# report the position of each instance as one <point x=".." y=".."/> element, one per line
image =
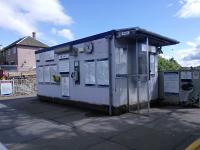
<point x="34" y="35"/>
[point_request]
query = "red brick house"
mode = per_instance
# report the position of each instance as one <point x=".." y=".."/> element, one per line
<point x="21" y="53"/>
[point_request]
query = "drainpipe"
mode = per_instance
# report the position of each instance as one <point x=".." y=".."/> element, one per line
<point x="109" y="39"/>
<point x="147" y="49"/>
<point x="137" y="76"/>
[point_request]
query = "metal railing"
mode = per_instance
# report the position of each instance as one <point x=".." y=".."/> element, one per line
<point x="19" y="87"/>
<point x="24" y="86"/>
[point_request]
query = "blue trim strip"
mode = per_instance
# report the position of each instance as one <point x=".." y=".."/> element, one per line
<point x="50" y="60"/>
<point x="168" y="94"/>
<point x="64" y="59"/>
<point x="62" y="73"/>
<point x="87" y="39"/>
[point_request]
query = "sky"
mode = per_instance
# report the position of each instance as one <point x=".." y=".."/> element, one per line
<point x="60" y="21"/>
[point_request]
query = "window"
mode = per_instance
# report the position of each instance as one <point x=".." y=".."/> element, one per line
<point x="102" y="72"/>
<point x="40" y="74"/>
<point x="90" y="72"/>
<point x="152" y="64"/>
<point x="121" y="61"/>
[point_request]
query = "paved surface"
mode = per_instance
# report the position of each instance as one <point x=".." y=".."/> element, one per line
<point x="31" y="124"/>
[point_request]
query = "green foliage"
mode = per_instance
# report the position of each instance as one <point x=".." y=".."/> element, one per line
<point x="168" y="64"/>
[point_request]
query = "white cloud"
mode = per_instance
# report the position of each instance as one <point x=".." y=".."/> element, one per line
<point x="165" y="56"/>
<point x="189" y="9"/>
<point x="23" y="16"/>
<point x="189" y="56"/>
<point x="66" y="33"/>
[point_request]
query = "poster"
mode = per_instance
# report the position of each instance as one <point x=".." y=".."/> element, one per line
<point x="171" y="82"/>
<point x="186" y="75"/>
<point x="63" y="65"/>
<point x="65" y="86"/>
<point x="6" y="88"/>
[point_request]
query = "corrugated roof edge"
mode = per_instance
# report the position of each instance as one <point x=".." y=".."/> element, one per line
<point x="104" y="34"/>
<point x="87" y="39"/>
<point x="157" y="35"/>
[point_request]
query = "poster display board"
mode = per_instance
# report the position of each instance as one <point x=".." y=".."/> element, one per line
<point x="65" y="86"/>
<point x="6" y="87"/>
<point x="171" y="82"/>
<point x="63" y="65"/>
<point x="49" y="55"/>
<point x="186" y="75"/>
<point x="40" y="74"/>
<point x="47" y="75"/>
<point x="90" y="72"/>
<point x="53" y="71"/>
<point x="121" y="60"/>
<point x="102" y="72"/>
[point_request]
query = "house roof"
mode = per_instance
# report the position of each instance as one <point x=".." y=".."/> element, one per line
<point x="27" y="41"/>
<point x="134" y="32"/>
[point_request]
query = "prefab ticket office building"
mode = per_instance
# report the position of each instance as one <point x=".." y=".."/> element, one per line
<point x="114" y="70"/>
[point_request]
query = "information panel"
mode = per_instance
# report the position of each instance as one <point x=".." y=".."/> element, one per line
<point x="171" y="82"/>
<point x="6" y="88"/>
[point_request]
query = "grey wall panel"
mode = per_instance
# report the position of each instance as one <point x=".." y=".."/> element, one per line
<point x="81" y="92"/>
<point x="51" y="90"/>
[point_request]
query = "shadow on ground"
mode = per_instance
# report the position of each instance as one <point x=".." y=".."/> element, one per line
<point x="28" y="123"/>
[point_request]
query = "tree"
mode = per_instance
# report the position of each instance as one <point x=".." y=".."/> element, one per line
<point x="167" y="64"/>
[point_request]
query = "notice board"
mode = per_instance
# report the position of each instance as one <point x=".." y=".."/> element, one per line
<point x="6" y="87"/>
<point x="171" y="82"/>
<point x="65" y="86"/>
